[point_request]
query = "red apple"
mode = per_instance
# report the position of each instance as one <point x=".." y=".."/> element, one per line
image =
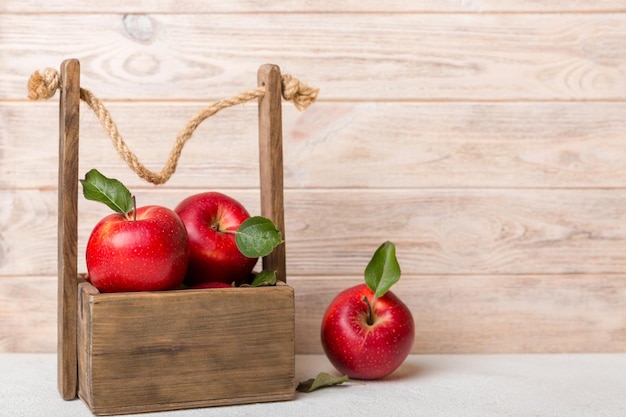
<point x="366" y="336"/>
<point x="364" y="350"/>
<point x="146" y="252"/>
<point x="211" y="220"/>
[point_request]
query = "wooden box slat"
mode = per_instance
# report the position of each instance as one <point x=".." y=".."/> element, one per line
<point x="182" y="349"/>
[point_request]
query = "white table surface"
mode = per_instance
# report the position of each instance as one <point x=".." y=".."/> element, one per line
<point x="564" y="385"/>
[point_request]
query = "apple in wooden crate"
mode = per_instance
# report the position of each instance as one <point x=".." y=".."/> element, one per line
<point x="133" y="249"/>
<point x="367" y="331"/>
<point x="212" y="220"/>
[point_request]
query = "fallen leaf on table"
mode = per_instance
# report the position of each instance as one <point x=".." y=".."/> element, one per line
<point x="322" y="380"/>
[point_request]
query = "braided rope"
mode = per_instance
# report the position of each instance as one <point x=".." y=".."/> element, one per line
<point x="44" y="86"/>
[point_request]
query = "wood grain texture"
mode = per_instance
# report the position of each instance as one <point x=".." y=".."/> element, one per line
<point x="341" y="145"/>
<point x="490" y="313"/>
<point x="485" y="137"/>
<point x="28" y="314"/>
<point x="453" y="313"/>
<point x="271" y="162"/>
<point x="371" y="57"/>
<point x="436" y="231"/>
<point x="153" y="351"/>
<point x="67" y="228"/>
<point x="339" y="6"/>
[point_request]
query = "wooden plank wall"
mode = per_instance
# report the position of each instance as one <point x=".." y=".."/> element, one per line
<point x="486" y="138"/>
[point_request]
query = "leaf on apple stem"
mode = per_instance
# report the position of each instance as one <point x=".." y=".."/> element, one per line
<point x="322" y="380"/>
<point x="383" y="269"/>
<point x="257" y="236"/>
<point x="264" y="278"/>
<point x="97" y="187"/>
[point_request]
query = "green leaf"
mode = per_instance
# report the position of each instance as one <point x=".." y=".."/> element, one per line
<point x="322" y="380"/>
<point x="97" y="187"/>
<point x="257" y="237"/>
<point x="264" y="278"/>
<point x="383" y="269"/>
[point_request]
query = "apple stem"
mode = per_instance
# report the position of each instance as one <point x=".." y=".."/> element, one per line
<point x="134" y="208"/>
<point x="370" y="314"/>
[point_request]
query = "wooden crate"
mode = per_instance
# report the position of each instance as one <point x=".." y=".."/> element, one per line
<point x="154" y="351"/>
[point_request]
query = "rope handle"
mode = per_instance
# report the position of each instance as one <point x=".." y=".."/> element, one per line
<point x="44" y="86"/>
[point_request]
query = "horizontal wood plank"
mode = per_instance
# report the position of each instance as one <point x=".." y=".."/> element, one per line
<point x="291" y="6"/>
<point x="453" y="313"/>
<point x="349" y="56"/>
<point x="490" y="313"/>
<point x="340" y="145"/>
<point x="484" y="137"/>
<point x="335" y="232"/>
<point x="28" y="314"/>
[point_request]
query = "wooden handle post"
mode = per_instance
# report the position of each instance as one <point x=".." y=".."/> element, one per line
<point x="271" y="161"/>
<point x="68" y="228"/>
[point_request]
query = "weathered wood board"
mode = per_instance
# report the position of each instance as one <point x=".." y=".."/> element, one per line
<point x="486" y="138"/>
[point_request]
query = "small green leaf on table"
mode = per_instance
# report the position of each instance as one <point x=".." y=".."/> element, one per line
<point x="322" y="380"/>
<point x="113" y="193"/>
<point x="257" y="236"/>
<point x="383" y="269"/>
